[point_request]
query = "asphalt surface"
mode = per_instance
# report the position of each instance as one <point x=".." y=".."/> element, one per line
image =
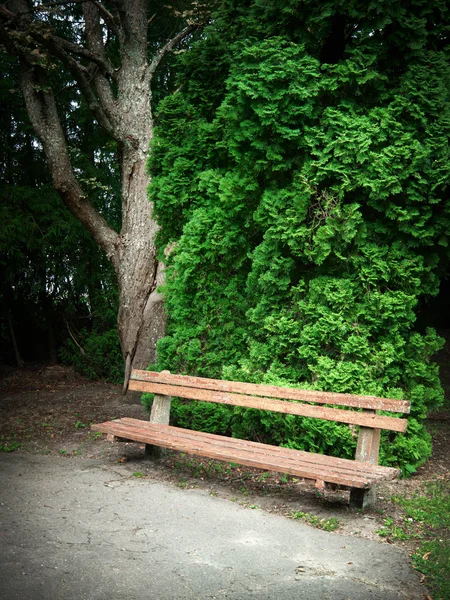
<point x="78" y="529"/>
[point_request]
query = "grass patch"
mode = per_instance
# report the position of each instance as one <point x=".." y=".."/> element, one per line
<point x="326" y="524"/>
<point x="427" y="517"/>
<point x="406" y="530"/>
<point x="9" y="443"/>
<point x="432" y="509"/>
<point x="433" y="560"/>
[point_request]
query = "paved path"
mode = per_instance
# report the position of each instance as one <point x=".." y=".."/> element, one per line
<point x="75" y="529"/>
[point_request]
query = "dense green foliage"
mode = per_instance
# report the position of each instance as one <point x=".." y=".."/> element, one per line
<point x="302" y="170"/>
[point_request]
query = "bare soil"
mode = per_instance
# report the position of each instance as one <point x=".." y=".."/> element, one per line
<point x="48" y="410"/>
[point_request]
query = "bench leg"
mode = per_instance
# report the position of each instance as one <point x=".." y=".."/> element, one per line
<point x="160" y="413"/>
<point x="367" y="450"/>
<point x="360" y="498"/>
<point x="154" y="452"/>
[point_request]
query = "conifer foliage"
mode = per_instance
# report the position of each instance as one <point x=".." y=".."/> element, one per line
<point x="302" y="173"/>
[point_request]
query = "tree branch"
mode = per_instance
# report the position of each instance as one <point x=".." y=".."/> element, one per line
<point x="10" y="17"/>
<point x="81" y="74"/>
<point x="107" y="16"/>
<point x="41" y="107"/>
<point x="99" y="60"/>
<point x="94" y="38"/>
<point x="168" y="47"/>
<point x="122" y="17"/>
<point x="63" y="50"/>
<point x="45" y="7"/>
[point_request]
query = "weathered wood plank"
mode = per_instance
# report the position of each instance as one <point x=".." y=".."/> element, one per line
<point x="293" y="408"/>
<point x="253" y="454"/>
<point x="368" y="446"/>
<point x="257" y="458"/>
<point x="247" y="457"/>
<point x="160" y="412"/>
<point x="271" y="391"/>
<point x="193" y="436"/>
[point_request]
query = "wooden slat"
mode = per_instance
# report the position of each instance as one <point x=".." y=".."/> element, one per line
<point x="293" y="408"/>
<point x="272" y="391"/>
<point x="253" y="454"/>
<point x="367" y="450"/>
<point x="319" y="459"/>
<point x="229" y="449"/>
<point x="232" y="452"/>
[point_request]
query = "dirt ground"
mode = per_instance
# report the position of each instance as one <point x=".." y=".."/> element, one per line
<point x="48" y="410"/>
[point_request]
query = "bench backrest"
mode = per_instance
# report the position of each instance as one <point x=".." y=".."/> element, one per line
<point x="292" y="401"/>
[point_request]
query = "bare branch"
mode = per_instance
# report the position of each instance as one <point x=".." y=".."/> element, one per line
<point x="107" y="16"/>
<point x="48" y="5"/>
<point x="94" y="85"/>
<point x="125" y="29"/>
<point x="93" y="29"/>
<point x="168" y="47"/>
<point x="83" y="77"/>
<point x="94" y="37"/>
<point x="100" y="61"/>
<point x="81" y="349"/>
<point x="109" y="19"/>
<point x="10" y="17"/>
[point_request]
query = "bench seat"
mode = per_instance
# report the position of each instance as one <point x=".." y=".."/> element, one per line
<point x="317" y="467"/>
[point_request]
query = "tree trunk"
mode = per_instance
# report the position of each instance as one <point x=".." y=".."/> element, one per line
<point x="141" y="317"/>
<point x="17" y="356"/>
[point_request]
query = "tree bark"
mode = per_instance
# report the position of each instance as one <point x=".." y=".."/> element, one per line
<point x="141" y="319"/>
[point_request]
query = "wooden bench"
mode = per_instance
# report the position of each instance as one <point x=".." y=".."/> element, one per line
<point x="360" y="475"/>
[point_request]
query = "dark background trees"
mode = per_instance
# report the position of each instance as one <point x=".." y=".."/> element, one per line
<point x="58" y="292"/>
<point x="100" y="60"/>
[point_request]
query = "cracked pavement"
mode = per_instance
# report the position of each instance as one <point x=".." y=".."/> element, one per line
<point x="78" y="529"/>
